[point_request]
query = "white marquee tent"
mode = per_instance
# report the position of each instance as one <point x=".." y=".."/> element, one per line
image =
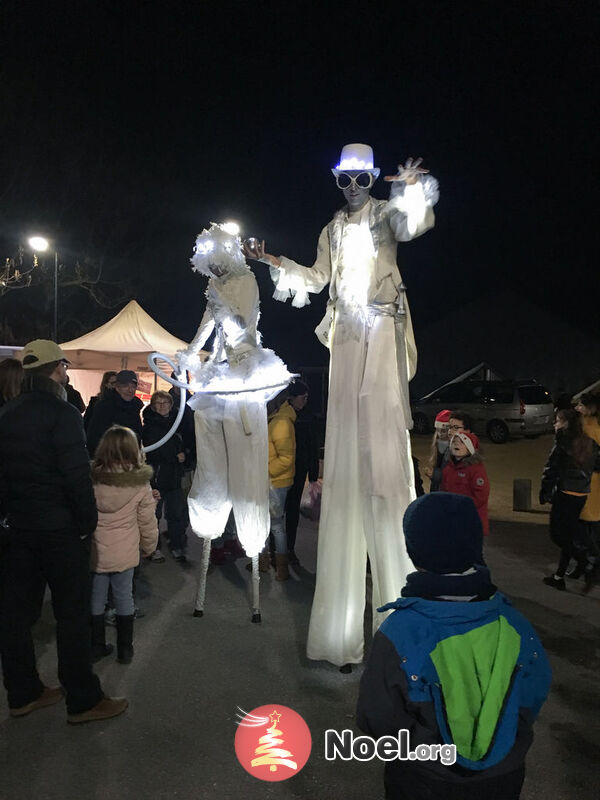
<point x="124" y="342"/>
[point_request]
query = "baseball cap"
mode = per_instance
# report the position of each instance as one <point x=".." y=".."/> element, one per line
<point x="42" y="351"/>
<point x="126" y="376"/>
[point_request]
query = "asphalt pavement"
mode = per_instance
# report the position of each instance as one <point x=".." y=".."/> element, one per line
<point x="189" y="676"/>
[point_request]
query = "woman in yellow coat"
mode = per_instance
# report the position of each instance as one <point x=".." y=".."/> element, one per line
<point x="282" y="460"/>
<point x="589" y="407"/>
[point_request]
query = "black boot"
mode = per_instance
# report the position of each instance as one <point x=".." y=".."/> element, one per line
<point x="99" y="646"/>
<point x="125" y="639"/>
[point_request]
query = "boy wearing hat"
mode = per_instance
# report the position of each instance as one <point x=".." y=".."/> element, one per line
<point x="465" y="473"/>
<point x="440" y="452"/>
<point x="453" y="664"/>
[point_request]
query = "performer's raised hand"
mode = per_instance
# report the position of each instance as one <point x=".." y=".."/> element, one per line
<point x="409" y="172"/>
<point x="255" y="249"/>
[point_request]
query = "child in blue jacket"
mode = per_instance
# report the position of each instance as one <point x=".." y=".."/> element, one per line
<point x="454" y="664"/>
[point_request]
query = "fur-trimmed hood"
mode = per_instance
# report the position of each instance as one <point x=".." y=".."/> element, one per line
<point x="474" y="459"/>
<point x="123" y="478"/>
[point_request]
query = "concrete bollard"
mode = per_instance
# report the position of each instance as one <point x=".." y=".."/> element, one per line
<point x="522" y="494"/>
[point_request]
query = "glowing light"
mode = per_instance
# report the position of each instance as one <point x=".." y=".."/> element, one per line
<point x="354" y="163"/>
<point x="231" y="227"/>
<point x="205" y="247"/>
<point x="39" y="243"/>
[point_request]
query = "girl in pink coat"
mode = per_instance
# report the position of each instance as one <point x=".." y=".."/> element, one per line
<point x="465" y="474"/>
<point x="126" y="523"/>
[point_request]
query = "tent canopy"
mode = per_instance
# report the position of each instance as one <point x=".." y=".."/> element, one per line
<point x="124" y="342"/>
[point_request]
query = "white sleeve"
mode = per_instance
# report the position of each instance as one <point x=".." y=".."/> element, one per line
<point x="294" y="280"/>
<point x="205" y="329"/>
<point x="410" y="208"/>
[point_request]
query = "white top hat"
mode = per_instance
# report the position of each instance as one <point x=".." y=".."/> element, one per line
<point x="358" y="158"/>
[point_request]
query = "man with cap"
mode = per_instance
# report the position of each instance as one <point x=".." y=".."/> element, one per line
<point x="454" y="665"/>
<point x="368" y="472"/>
<point x="118" y="406"/>
<point x="47" y="496"/>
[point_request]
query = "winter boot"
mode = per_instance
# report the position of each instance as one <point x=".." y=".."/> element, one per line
<point x="264" y="562"/>
<point x="125" y="639"/>
<point x="281" y="565"/>
<point x="99" y="646"/>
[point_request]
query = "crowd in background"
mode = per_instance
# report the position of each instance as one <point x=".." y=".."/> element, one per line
<point x="77" y="513"/>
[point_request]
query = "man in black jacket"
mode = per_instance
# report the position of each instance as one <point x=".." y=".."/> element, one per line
<point x="118" y="406"/>
<point x="47" y="496"/>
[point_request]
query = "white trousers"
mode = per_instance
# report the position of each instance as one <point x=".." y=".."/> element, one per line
<point x="232" y="451"/>
<point x="367" y="484"/>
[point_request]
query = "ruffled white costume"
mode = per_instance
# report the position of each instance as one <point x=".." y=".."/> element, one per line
<point x="231" y="391"/>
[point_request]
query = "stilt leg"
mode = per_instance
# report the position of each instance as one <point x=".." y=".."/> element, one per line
<point x="255" y="591"/>
<point x="201" y="593"/>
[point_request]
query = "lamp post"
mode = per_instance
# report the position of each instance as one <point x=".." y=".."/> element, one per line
<point x="40" y="245"/>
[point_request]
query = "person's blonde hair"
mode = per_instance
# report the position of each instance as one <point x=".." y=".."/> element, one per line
<point x="161" y="395"/>
<point x="118" y="449"/>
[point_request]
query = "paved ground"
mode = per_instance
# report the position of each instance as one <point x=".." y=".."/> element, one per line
<point x="189" y="675"/>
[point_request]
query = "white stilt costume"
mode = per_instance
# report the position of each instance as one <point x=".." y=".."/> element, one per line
<point x="231" y="391"/>
<point x="368" y="473"/>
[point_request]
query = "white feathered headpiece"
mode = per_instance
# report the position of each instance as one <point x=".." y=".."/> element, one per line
<point x="218" y="247"/>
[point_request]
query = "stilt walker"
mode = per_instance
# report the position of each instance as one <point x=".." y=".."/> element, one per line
<point x="368" y="475"/>
<point x="231" y="390"/>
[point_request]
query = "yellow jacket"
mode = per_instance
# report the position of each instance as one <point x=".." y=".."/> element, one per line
<point x="591" y="509"/>
<point x="282" y="447"/>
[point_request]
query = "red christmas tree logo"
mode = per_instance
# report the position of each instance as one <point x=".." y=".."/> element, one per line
<point x="280" y="751"/>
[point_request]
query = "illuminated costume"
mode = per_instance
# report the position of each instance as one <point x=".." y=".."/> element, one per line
<point x="368" y="474"/>
<point x="231" y="390"/>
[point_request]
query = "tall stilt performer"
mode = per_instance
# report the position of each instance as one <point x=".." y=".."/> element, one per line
<point x="368" y="475"/>
<point x="231" y="391"/>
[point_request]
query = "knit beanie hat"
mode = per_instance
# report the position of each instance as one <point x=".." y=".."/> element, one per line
<point x="443" y="532"/>
<point x="470" y="441"/>
<point x="442" y="419"/>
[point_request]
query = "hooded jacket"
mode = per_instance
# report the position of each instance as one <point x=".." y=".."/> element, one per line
<point x="473" y="674"/>
<point x="45" y="481"/>
<point x="167" y="468"/>
<point x="469" y="477"/>
<point x="126" y="519"/>
<point x="282" y="447"/>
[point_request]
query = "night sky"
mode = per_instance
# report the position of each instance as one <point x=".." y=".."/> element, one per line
<point x="128" y="127"/>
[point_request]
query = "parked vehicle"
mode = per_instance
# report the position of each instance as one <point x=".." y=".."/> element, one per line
<point x="499" y="409"/>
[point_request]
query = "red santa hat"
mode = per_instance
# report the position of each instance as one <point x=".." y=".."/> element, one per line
<point x="442" y="420"/>
<point x="470" y="441"/>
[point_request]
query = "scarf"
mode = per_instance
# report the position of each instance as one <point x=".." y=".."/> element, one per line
<point x="472" y="585"/>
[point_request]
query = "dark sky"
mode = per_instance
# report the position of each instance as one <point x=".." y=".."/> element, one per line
<point x="127" y="127"/>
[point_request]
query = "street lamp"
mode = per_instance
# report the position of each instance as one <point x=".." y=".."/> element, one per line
<point x="40" y="245"/>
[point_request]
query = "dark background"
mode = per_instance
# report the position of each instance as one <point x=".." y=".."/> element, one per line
<point x="127" y="127"/>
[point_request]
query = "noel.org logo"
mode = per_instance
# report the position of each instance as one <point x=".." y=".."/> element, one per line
<point x="272" y="742"/>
